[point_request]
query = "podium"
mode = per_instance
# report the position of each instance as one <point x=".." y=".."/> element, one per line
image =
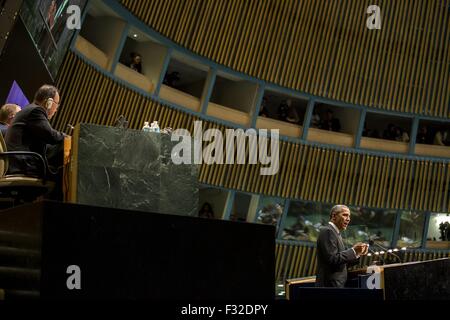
<point x="129" y="169"/>
<point x="421" y="280"/>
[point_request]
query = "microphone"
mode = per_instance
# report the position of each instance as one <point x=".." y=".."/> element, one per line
<point x="71" y="127"/>
<point x="388" y="251"/>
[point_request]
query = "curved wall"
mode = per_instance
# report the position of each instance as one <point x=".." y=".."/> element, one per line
<point x="321" y="47"/>
<point x="339" y="176"/>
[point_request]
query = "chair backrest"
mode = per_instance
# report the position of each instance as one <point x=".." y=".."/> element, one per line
<point x="3" y="160"/>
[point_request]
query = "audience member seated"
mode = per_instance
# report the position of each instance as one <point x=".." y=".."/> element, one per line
<point x="330" y="123"/>
<point x="401" y="135"/>
<point x="31" y="131"/>
<point x="439" y="137"/>
<point x="206" y="211"/>
<point x="390" y="133"/>
<point x="7" y="114"/>
<point x="423" y="136"/>
<point x="136" y="62"/>
<point x="263" y="109"/>
<point x="293" y="116"/>
<point x="172" y="78"/>
<point x="283" y="110"/>
<point x="315" y="120"/>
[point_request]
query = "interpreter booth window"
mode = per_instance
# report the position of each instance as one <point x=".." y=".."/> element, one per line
<point x="184" y="81"/>
<point x="433" y="132"/>
<point x="304" y="219"/>
<point x="270" y="211"/>
<point x="241" y="207"/>
<point x="382" y="126"/>
<point x="333" y="118"/>
<point x="212" y="202"/>
<point x="232" y="99"/>
<point x="438" y="235"/>
<point x="411" y="229"/>
<point x="433" y="139"/>
<point x="375" y="226"/>
<point x="141" y="60"/>
<point x="334" y="125"/>
<point x="283" y="107"/>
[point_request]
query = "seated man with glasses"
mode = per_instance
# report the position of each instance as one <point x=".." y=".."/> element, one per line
<point x="31" y="131"/>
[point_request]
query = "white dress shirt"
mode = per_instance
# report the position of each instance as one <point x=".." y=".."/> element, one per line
<point x="338" y="232"/>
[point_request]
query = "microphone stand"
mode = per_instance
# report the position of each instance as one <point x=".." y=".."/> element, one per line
<point x="382" y="261"/>
<point x="387" y="251"/>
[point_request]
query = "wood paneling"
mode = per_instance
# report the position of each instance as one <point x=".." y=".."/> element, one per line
<point x="321" y="47"/>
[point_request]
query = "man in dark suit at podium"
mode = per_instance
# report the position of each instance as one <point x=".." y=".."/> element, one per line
<point x="332" y="255"/>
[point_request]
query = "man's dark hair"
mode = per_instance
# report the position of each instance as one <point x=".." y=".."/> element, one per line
<point x="337" y="209"/>
<point x="45" y="92"/>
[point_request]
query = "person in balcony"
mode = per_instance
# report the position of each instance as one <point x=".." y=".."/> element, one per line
<point x="390" y="133"/>
<point x="331" y="123"/>
<point x="401" y="135"/>
<point x="332" y="255"/>
<point x="315" y="120"/>
<point x="293" y="116"/>
<point x="439" y="138"/>
<point x="135" y="62"/>
<point x="263" y="109"/>
<point x="423" y="136"/>
<point x="283" y="110"/>
<point x="206" y="211"/>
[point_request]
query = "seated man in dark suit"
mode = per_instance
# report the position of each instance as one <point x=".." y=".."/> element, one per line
<point x="31" y="131"/>
<point x="332" y="255"/>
